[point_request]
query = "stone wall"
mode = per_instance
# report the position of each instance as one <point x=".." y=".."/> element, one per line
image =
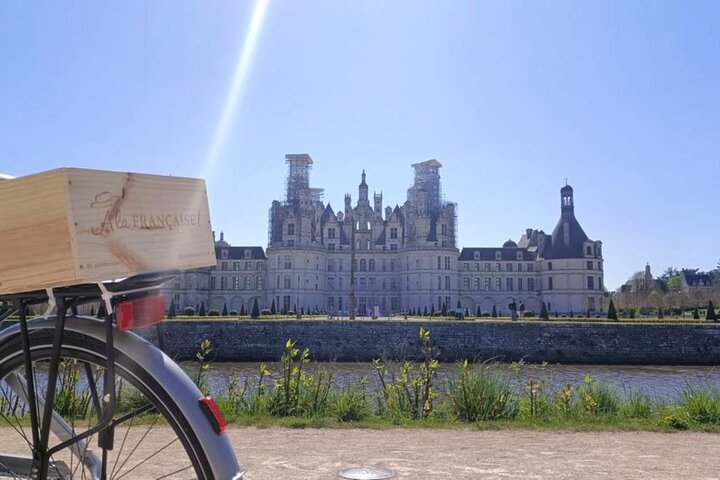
<point x="453" y="340"/>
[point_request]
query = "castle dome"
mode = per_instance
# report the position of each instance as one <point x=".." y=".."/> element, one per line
<point x="510" y="244"/>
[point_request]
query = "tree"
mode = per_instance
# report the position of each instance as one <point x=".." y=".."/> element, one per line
<point x="543" y="312"/>
<point x="444" y="310"/>
<point x="425" y="312"/>
<point x="674" y="283"/>
<point x="224" y="310"/>
<point x="696" y="314"/>
<point x="612" y="313"/>
<point x="660" y="313"/>
<point x="478" y="312"/>
<point x="255" y="309"/>
<point x="494" y="312"/>
<point x="632" y="313"/>
<point x="242" y="310"/>
<point x="172" y="313"/>
<point x="467" y="312"/>
<point x="273" y="310"/>
<point x="711" y="315"/>
<point x="202" y="309"/>
<point x="432" y="310"/>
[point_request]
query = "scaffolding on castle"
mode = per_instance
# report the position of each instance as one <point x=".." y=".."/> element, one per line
<point x="298" y="177"/>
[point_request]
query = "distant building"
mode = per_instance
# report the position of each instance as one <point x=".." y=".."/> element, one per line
<point x="405" y="257"/>
<point x="696" y="282"/>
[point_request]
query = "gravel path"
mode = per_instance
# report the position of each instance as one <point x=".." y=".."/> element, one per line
<point x="278" y="453"/>
<point x="281" y="453"/>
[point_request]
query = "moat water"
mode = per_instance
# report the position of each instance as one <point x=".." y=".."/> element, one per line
<point x="662" y="383"/>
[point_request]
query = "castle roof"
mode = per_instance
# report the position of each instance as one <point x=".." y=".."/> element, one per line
<point x="238" y="253"/>
<point x="468" y="254"/>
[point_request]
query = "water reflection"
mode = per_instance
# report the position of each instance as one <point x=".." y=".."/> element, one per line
<point x="660" y="382"/>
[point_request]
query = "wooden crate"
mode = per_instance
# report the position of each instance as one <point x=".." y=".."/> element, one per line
<point x="70" y="226"/>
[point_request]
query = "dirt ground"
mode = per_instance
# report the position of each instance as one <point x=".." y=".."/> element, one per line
<point x="281" y="453"/>
<point x="278" y="453"/>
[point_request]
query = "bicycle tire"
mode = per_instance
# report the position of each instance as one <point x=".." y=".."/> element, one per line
<point x="147" y="369"/>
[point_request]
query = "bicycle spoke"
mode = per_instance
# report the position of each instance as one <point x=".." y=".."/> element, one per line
<point x="175" y="472"/>
<point x="138" y="444"/>
<point x="148" y="458"/>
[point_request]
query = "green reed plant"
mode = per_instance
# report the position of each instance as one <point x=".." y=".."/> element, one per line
<point x="598" y="398"/>
<point x="701" y="404"/>
<point x="350" y="404"/>
<point x="481" y="394"/>
<point x="637" y="405"/>
<point x="410" y="394"/>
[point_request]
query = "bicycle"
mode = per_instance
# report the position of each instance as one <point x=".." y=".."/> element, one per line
<point x="85" y="397"/>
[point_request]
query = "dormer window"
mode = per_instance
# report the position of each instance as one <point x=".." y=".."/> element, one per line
<point x="224" y="254"/>
<point x="519" y="255"/>
<point x="247" y="253"/>
<point x="476" y="255"/>
<point x="498" y="255"/>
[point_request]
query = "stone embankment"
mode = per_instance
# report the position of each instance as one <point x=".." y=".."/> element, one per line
<point x="364" y="340"/>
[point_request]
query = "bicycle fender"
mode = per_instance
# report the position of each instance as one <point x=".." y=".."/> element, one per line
<point x="177" y="384"/>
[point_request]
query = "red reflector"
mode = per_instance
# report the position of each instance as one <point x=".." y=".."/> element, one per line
<point x="213" y="413"/>
<point x="140" y="312"/>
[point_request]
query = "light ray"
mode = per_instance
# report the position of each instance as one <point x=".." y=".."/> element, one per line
<point x="237" y="89"/>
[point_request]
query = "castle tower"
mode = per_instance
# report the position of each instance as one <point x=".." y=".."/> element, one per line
<point x="378" y="204"/>
<point x="363" y="193"/>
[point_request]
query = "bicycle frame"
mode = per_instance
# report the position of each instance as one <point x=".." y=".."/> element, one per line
<point x="69" y="298"/>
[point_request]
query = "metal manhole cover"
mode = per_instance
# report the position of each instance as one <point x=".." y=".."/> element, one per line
<point x="366" y="473"/>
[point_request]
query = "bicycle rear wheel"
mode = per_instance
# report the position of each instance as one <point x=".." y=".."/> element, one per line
<point x="153" y="438"/>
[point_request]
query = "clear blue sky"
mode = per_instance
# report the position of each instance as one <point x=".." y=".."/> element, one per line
<point x="622" y="98"/>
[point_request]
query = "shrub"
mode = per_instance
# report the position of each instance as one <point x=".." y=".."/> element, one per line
<point x="544" y="312"/>
<point x="255" y="309"/>
<point x="529" y="314"/>
<point x="233" y="313"/>
<point x="485" y="314"/>
<point x="189" y="311"/>
<point x="265" y="311"/>
<point x="612" y="313"/>
<point x="213" y="312"/>
<point x="711" y="315"/>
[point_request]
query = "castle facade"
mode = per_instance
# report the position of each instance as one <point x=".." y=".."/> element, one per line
<point x="386" y="260"/>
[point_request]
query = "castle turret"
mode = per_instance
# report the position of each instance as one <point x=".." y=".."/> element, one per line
<point x="378" y="204"/>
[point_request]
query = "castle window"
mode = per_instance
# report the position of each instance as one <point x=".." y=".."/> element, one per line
<point x="393" y="233"/>
<point x="498" y="267"/>
<point x="236" y="283"/>
<point x="589" y="265"/>
<point x="224" y="266"/>
<point x="477" y="283"/>
<point x="588" y="250"/>
<point x="466" y="267"/>
<point x="259" y="283"/>
<point x="477" y="267"/>
<point x="331" y="233"/>
<point x="212" y="283"/>
<point x="393" y="246"/>
<point x="531" y="284"/>
<point x="224" y="253"/>
<point x="487" y="267"/>
<point x="247" y="283"/>
<point x="498" y="284"/>
<point x="600" y="266"/>
<point x="392" y="265"/>
<point x="550" y="283"/>
<point x="487" y="284"/>
<point x="508" y="267"/>
<point x="363" y="265"/>
<point x="223" y="283"/>
<point x="549" y="265"/>
<point x="291" y="229"/>
<point x="439" y="263"/>
<point x="498" y="255"/>
<point x="476" y="255"/>
<point x="286" y="282"/>
<point x="600" y="284"/>
<point x="331" y="246"/>
<point x="439" y="282"/>
<point x="591" y="283"/>
<point x="520" y="284"/>
<point x="443" y="229"/>
<point x="519" y="255"/>
<point x="331" y="282"/>
<point x="236" y="266"/>
<point x="444" y="243"/>
<point x="290" y="243"/>
<point x="519" y="267"/>
<point x="371" y="265"/>
<point x="447" y="283"/>
<point x="509" y="284"/>
<point x="530" y="267"/>
<point x="447" y="263"/>
<point x="259" y="266"/>
<point x="288" y="262"/>
<point x="248" y="265"/>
